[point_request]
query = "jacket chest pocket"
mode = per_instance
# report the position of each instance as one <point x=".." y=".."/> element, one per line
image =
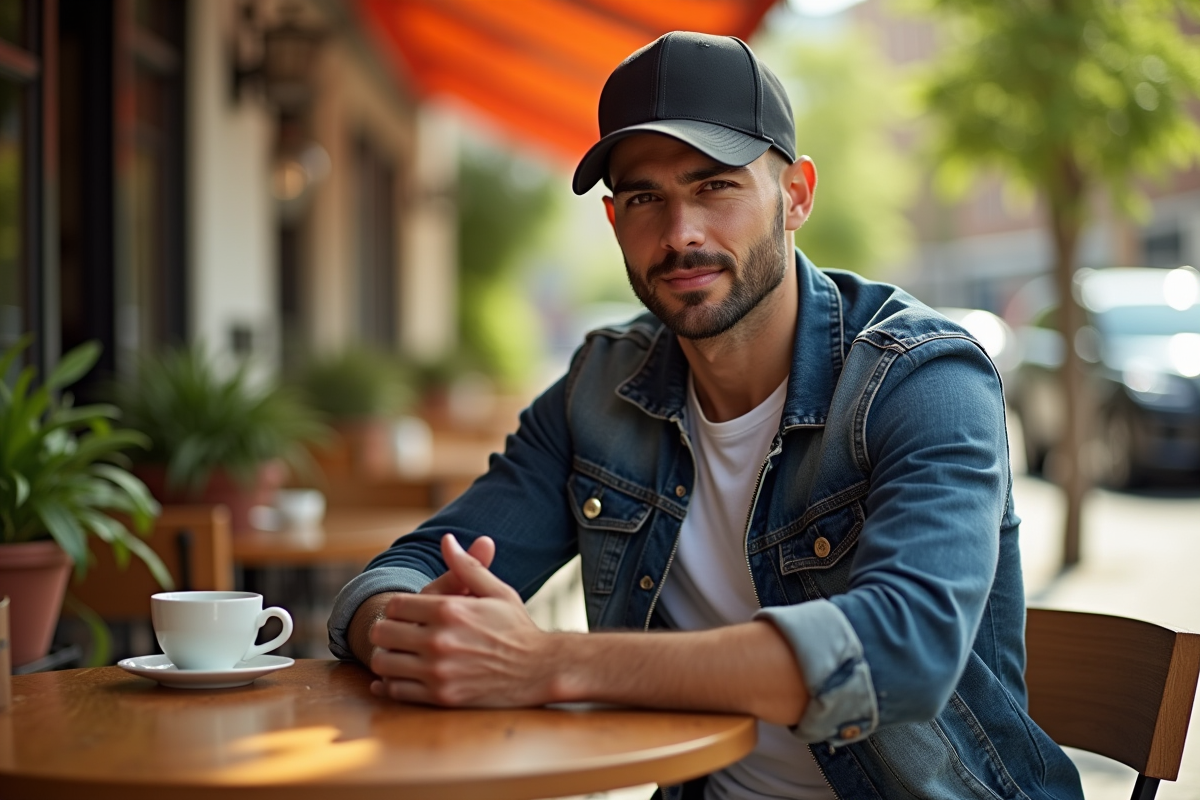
<point x="606" y="519"/>
<point x="821" y="541"/>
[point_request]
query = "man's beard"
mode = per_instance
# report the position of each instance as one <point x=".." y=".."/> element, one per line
<point x="765" y="268"/>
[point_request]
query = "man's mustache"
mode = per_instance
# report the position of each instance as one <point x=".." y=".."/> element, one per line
<point x="692" y="260"/>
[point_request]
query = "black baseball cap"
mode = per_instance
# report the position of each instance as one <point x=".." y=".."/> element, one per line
<point x="710" y="92"/>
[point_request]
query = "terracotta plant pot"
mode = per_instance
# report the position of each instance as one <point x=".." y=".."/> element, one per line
<point x="369" y="444"/>
<point x="33" y="575"/>
<point x="221" y="489"/>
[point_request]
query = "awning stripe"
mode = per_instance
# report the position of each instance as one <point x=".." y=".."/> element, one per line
<point x="536" y="67"/>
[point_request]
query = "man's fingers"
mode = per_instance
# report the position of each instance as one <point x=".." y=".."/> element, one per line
<point x="483" y="549"/>
<point x="419" y="608"/>
<point x="447" y="583"/>
<point x="391" y="664"/>
<point x="403" y="690"/>
<point x="474" y="576"/>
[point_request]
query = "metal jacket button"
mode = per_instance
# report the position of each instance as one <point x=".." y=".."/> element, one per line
<point x="646" y="582"/>
<point x="680" y="490"/>
<point x="820" y="546"/>
<point x="591" y="507"/>
<point x="850" y="732"/>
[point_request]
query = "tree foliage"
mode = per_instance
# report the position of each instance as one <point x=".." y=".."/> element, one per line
<point x="503" y="204"/>
<point x="846" y="112"/>
<point x="1066" y="97"/>
<point x="1061" y="92"/>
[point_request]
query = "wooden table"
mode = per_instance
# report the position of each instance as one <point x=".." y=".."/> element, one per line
<point x="349" y="536"/>
<point x="315" y="731"/>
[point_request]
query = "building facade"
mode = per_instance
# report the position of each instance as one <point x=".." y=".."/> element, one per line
<point x="171" y="172"/>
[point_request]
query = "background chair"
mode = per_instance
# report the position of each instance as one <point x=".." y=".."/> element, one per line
<point x="1119" y="687"/>
<point x="194" y="543"/>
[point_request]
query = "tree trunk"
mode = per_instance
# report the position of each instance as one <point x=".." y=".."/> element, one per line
<point x="1067" y="203"/>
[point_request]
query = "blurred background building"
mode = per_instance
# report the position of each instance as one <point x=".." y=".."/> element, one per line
<point x="984" y="249"/>
<point x="250" y="175"/>
<point x="278" y="178"/>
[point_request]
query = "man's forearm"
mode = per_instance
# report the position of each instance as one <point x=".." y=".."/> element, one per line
<point x="746" y="668"/>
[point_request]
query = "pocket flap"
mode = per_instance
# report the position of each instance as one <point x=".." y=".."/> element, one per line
<point x="824" y="541"/>
<point x="599" y="506"/>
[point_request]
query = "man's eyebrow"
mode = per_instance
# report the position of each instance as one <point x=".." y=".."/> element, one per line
<point x="695" y="176"/>
<point x="705" y="173"/>
<point x="640" y="185"/>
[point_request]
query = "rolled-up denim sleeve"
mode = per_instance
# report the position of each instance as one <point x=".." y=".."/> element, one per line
<point x="520" y="502"/>
<point x="891" y="649"/>
<point x="841" y="695"/>
<point x="356" y="592"/>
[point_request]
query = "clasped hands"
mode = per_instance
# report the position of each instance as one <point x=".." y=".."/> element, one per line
<point x="464" y="640"/>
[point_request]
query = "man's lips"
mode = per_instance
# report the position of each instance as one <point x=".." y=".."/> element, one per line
<point x="692" y="279"/>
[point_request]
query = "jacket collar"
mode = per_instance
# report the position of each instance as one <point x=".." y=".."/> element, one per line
<point x="659" y="385"/>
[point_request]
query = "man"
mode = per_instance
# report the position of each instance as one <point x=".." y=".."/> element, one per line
<point x="802" y="473"/>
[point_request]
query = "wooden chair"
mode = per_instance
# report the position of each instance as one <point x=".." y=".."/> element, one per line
<point x="1119" y="687"/>
<point x="194" y="543"/>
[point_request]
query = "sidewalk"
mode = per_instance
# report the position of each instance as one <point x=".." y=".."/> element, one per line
<point x="1140" y="559"/>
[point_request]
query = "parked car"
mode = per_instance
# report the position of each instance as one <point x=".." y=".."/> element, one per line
<point x="1141" y="349"/>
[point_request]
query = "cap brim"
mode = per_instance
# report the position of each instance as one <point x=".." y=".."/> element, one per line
<point x="727" y="146"/>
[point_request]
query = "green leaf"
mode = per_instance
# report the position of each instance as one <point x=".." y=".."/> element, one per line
<point x="101" y="652"/>
<point x="110" y="531"/>
<point x="21" y="485"/>
<point x="74" y="365"/>
<point x="157" y="568"/>
<point x="13" y="353"/>
<point x="92" y="447"/>
<point x="146" y="508"/>
<point x="65" y="529"/>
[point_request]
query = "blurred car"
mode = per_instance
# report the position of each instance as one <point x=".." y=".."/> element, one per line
<point x="1141" y="349"/>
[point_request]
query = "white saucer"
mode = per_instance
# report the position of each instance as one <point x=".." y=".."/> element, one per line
<point x="159" y="668"/>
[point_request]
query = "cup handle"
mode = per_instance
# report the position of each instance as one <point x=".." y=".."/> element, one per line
<point x="266" y="647"/>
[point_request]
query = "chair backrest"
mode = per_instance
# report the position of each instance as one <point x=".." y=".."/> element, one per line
<point x="1119" y="687"/>
<point x="194" y="543"/>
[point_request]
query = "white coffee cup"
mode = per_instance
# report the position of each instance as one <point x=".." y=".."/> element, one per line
<point x="213" y="630"/>
<point x="300" y="508"/>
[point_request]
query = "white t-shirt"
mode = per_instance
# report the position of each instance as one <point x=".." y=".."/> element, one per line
<point x="709" y="585"/>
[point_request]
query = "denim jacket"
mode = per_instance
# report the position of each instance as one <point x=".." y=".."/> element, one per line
<point x="881" y="540"/>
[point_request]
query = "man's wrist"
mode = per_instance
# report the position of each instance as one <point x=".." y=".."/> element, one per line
<point x="566" y="657"/>
<point x="370" y="611"/>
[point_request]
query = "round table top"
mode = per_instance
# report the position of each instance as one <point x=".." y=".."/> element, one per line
<point x="314" y="729"/>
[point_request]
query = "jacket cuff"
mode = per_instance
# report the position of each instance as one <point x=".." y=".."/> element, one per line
<point x="842" y="707"/>
<point x="353" y="594"/>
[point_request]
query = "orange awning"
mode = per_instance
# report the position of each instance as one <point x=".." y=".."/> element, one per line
<point x="536" y="67"/>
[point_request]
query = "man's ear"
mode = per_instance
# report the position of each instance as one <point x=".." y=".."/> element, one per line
<point x="611" y="212"/>
<point x="799" y="184"/>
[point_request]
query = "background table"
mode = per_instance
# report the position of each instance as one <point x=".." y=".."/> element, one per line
<point x="345" y="536"/>
<point x="315" y="731"/>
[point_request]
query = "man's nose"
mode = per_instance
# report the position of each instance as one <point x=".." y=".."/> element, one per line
<point x="683" y="228"/>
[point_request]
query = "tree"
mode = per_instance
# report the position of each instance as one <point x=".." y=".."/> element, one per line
<point x="1068" y="97"/>
<point x="845" y="112"/>
<point x="504" y="202"/>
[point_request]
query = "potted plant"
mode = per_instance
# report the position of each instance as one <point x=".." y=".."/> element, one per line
<point x="359" y="391"/>
<point x="215" y="438"/>
<point x="61" y="475"/>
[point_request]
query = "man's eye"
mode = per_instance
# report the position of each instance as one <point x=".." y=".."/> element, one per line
<point x="639" y="199"/>
<point x="711" y="185"/>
